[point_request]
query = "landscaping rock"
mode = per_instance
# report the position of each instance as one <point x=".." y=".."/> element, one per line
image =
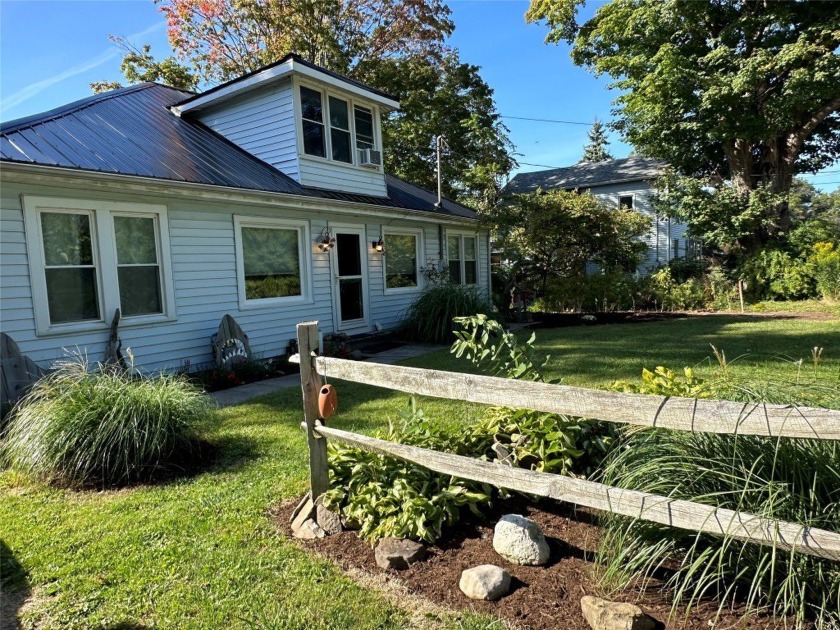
<point x="603" y="614"/>
<point x="486" y="581"/>
<point x="329" y="521"/>
<point x="398" y="553"/>
<point x="520" y="540"/>
<point x="309" y="530"/>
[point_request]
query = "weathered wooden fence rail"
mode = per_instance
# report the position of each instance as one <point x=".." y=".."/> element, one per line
<point x="687" y="414"/>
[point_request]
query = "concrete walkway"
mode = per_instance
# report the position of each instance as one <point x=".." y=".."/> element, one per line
<point x="244" y="393"/>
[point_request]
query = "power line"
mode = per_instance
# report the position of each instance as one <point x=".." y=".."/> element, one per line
<point x="548" y="120"/>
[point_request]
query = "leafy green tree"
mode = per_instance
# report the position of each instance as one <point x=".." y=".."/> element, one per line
<point x="555" y="233"/>
<point x="138" y="66"/>
<point x="447" y="98"/>
<point x="739" y="91"/>
<point x="596" y="148"/>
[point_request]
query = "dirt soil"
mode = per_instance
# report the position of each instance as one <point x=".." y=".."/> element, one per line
<point x="541" y="597"/>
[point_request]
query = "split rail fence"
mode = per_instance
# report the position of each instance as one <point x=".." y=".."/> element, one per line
<point x="684" y="414"/>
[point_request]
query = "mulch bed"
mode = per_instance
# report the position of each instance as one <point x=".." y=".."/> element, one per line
<point x="541" y="597"/>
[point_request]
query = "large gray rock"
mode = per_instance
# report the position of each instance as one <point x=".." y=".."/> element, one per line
<point x="603" y="614"/>
<point x="398" y="553"/>
<point x="486" y="581"/>
<point x="520" y="540"/>
<point x="329" y="521"/>
<point x="308" y="530"/>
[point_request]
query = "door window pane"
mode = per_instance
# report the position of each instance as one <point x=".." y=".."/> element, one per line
<point x="271" y="262"/>
<point x="400" y="261"/>
<point x="470" y="266"/>
<point x="349" y="258"/>
<point x="350" y="296"/>
<point x="364" y="128"/>
<point x="138" y="268"/>
<point x="72" y="294"/>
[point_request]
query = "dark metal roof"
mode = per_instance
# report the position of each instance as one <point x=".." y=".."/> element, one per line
<point x="131" y="131"/>
<point x="298" y="59"/>
<point x="588" y="174"/>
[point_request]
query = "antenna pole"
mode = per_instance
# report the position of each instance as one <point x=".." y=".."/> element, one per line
<point x="438" y="144"/>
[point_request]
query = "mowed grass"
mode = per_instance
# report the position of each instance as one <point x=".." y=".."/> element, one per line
<point x="203" y="552"/>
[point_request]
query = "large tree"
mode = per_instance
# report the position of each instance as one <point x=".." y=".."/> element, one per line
<point x="398" y="46"/>
<point x="739" y="91"/>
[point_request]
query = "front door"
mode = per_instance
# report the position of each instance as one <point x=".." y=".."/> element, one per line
<point x="350" y="278"/>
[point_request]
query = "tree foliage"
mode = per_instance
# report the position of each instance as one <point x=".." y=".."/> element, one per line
<point x="223" y="39"/>
<point x="139" y="65"/>
<point x="739" y="91"/>
<point x="596" y="149"/>
<point x="555" y="233"/>
<point x="446" y="98"/>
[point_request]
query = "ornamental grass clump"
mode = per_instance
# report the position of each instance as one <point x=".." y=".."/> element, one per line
<point x="429" y="318"/>
<point x="103" y="427"/>
<point x="786" y="479"/>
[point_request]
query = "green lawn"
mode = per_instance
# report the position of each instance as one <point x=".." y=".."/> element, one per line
<point x="202" y="552"/>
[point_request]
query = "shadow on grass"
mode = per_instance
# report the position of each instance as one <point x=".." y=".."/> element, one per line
<point x="14" y="587"/>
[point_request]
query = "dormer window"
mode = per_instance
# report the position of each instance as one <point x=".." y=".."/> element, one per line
<point x="338" y="129"/>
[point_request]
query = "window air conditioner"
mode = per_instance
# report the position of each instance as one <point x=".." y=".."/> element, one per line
<point x="370" y="158"/>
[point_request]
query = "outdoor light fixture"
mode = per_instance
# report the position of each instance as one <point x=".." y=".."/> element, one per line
<point x="378" y="246"/>
<point x="325" y="240"/>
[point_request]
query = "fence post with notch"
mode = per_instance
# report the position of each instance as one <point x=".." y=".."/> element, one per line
<point x="310" y="383"/>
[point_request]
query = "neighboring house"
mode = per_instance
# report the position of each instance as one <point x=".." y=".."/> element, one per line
<point x="264" y="198"/>
<point x="625" y="183"/>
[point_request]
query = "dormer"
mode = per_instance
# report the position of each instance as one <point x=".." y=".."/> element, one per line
<point x="317" y="127"/>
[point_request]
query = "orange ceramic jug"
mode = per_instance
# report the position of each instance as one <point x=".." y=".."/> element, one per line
<point x="327" y="401"/>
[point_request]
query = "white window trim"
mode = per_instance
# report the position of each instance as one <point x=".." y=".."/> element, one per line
<point x="461" y="234"/>
<point x="105" y="260"/>
<point x="632" y="196"/>
<point x="351" y="104"/>
<point x="304" y="249"/>
<point x="418" y="234"/>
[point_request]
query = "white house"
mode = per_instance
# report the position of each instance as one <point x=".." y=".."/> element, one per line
<point x="263" y="198"/>
<point x="623" y="183"/>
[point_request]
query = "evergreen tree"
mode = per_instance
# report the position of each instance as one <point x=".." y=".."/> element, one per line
<point x="596" y="148"/>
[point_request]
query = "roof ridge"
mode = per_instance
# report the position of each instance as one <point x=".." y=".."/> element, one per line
<point x="25" y="122"/>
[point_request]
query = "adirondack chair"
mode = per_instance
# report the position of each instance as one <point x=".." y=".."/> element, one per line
<point x="230" y="344"/>
<point x="17" y="373"/>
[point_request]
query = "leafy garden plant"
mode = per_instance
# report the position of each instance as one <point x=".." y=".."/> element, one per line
<point x="107" y="426"/>
<point x="384" y="496"/>
<point x="429" y="318"/>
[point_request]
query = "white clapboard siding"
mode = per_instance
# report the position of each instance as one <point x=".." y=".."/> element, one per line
<point x="333" y="175"/>
<point x="262" y="123"/>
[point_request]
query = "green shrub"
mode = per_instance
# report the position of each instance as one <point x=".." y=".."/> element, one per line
<point x="662" y="291"/>
<point x="775" y="274"/>
<point x="793" y="480"/>
<point x="384" y="496"/>
<point x="826" y="265"/>
<point x="598" y="292"/>
<point x="77" y="427"/>
<point x="429" y="318"/>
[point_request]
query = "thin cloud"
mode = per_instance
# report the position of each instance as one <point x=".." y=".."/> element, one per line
<point x="34" y="89"/>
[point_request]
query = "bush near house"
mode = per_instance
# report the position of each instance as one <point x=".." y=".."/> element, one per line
<point x="429" y="318"/>
<point x="107" y="427"/>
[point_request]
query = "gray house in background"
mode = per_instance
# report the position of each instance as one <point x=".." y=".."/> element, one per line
<point x="626" y="182"/>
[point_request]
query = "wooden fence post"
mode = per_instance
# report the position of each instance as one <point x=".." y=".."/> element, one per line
<point x="310" y="383"/>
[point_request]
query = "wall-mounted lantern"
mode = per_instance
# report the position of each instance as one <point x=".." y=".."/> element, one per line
<point x="325" y="240"/>
<point x="378" y="246"/>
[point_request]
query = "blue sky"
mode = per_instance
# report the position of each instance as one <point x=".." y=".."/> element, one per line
<point x="50" y="52"/>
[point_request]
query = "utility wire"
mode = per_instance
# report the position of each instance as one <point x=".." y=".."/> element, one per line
<point x="548" y="120"/>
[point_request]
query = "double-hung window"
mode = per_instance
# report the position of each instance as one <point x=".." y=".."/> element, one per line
<point x="272" y="264"/>
<point x="463" y="262"/>
<point x="402" y="260"/>
<point x="89" y="258"/>
<point x="626" y="202"/>
<point x="334" y="127"/>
